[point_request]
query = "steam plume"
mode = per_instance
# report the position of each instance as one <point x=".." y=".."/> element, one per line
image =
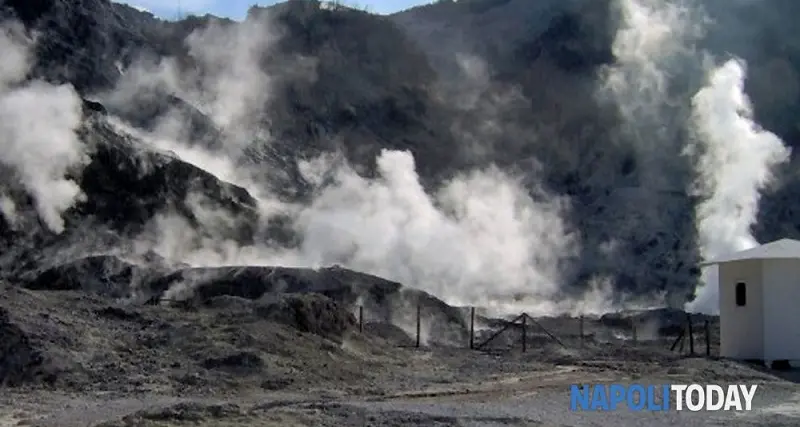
<point x="651" y="44"/>
<point x="733" y="156"/>
<point x="481" y="234"/>
<point x="234" y="87"/>
<point x="481" y="238"/>
<point x="652" y="47"/>
<point x="37" y="133"/>
<point x="735" y="161"/>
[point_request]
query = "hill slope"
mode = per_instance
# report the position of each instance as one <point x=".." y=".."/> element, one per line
<point x="211" y="142"/>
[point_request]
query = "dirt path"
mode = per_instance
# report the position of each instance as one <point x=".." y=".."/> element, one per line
<point x="506" y="385"/>
<point x="550" y="406"/>
<point x="527" y="399"/>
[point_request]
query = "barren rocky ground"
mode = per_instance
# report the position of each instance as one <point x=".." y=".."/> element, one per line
<point x="71" y="359"/>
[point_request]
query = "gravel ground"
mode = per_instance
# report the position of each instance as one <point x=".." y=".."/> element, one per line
<point x="539" y="398"/>
<point x="774" y="406"/>
<point x="80" y="361"/>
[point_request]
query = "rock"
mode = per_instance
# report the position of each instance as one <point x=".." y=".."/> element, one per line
<point x="279" y="383"/>
<point x="122" y="314"/>
<point x="127" y="183"/>
<point x="781" y="365"/>
<point x="148" y="108"/>
<point x="394" y="82"/>
<point x="20" y="361"/>
<point x="230" y="304"/>
<point x="252" y="282"/>
<point x="238" y="361"/>
<point x="102" y="275"/>
<point x="311" y="313"/>
<point x="90" y="107"/>
<point x="184" y="412"/>
<point x="391" y="333"/>
<point x="383" y="301"/>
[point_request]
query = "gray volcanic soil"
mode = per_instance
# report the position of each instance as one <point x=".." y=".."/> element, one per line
<point x="73" y="359"/>
<point x="100" y="340"/>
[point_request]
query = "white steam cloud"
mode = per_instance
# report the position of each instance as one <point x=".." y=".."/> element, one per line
<point x="38" y="142"/>
<point x="234" y="87"/>
<point x="482" y="238"/>
<point x="481" y="234"/>
<point x="653" y="38"/>
<point x="736" y="158"/>
<point x="652" y="44"/>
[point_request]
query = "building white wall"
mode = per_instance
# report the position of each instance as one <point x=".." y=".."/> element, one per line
<point x="741" y="328"/>
<point x="781" y="312"/>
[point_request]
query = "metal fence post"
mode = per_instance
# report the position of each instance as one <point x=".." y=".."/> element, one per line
<point x="524" y="333"/>
<point x="419" y="309"/>
<point x="472" y="328"/>
<point x="691" y="334"/>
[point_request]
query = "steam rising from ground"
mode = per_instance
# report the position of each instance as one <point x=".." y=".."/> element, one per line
<point x="480" y="234"/>
<point x="735" y="161"/>
<point x="37" y="134"/>
<point x="481" y="238"/>
<point x="652" y="37"/>
<point x="652" y="42"/>
<point x="733" y="156"/>
<point x="651" y="47"/>
<point x="234" y="86"/>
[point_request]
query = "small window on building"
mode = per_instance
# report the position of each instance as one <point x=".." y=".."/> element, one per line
<point x="741" y="294"/>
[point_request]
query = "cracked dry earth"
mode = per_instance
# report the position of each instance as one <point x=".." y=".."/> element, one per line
<point x="109" y="365"/>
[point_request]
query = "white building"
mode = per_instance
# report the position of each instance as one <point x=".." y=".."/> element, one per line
<point x="759" y="295"/>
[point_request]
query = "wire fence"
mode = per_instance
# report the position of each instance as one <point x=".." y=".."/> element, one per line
<point x="693" y="336"/>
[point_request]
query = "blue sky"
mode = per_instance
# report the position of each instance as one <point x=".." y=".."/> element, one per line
<point x="236" y="9"/>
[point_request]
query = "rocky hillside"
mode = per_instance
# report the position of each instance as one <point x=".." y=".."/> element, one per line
<point x="209" y="142"/>
<point x="554" y="51"/>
